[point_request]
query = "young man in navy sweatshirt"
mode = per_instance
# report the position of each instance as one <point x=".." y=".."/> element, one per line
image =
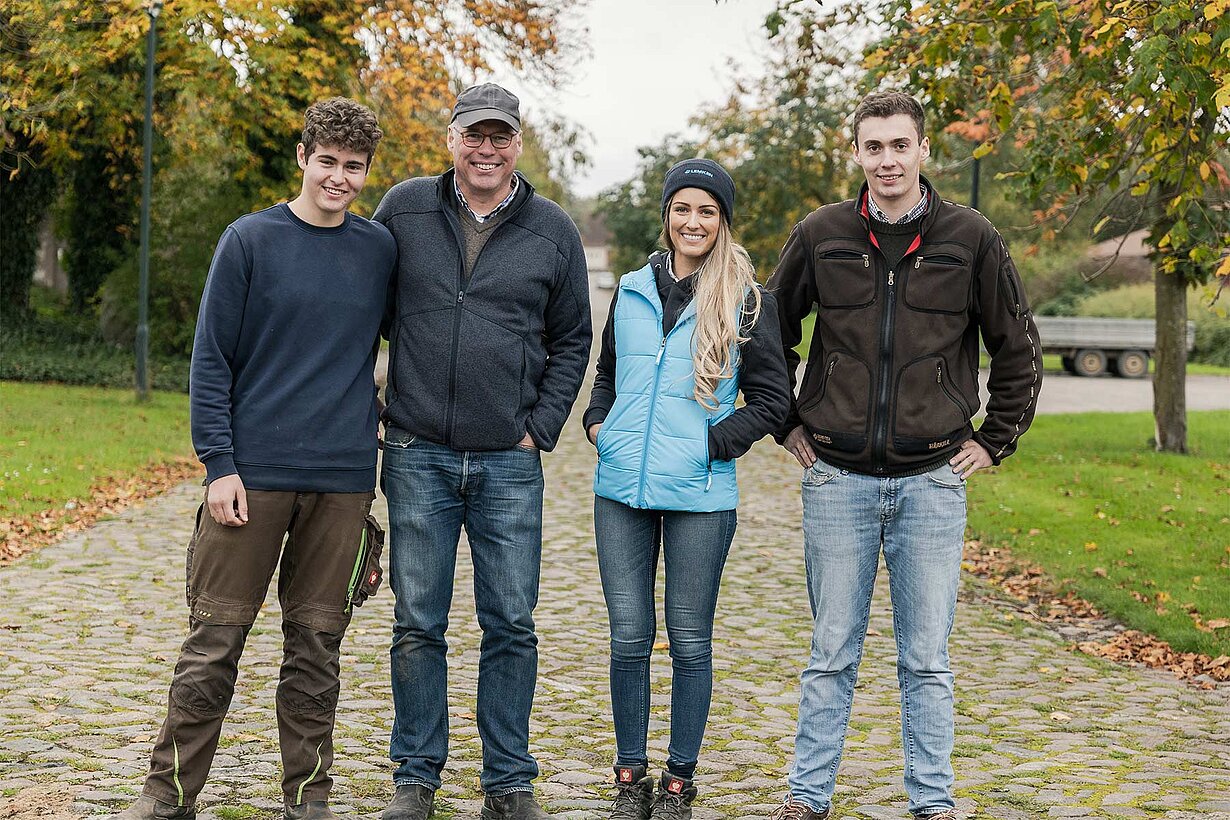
<point x="284" y="419"/>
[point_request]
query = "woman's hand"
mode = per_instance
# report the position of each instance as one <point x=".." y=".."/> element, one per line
<point x="592" y="433"/>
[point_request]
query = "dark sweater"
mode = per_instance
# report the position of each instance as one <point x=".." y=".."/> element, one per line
<point x="477" y="363"/>
<point x="281" y="383"/>
<point x="762" y="369"/>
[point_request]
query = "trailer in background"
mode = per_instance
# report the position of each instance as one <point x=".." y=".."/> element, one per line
<point x="1091" y="346"/>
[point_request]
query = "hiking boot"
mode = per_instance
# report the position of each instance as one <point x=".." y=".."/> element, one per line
<point x="945" y="814"/>
<point x="147" y="808"/>
<point x="413" y="801"/>
<point x="311" y="810"/>
<point x="512" y="806"/>
<point x="633" y="793"/>
<point x="790" y="810"/>
<point x="674" y="798"/>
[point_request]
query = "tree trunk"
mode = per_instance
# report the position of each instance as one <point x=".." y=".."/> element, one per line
<point x="1170" y="380"/>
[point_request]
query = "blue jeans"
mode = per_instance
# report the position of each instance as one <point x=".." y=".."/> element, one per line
<point x="695" y="545"/>
<point x="919" y="521"/>
<point x="433" y="491"/>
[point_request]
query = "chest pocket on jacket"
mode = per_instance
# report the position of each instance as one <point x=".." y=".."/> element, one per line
<point x="938" y="283"/>
<point x="845" y="278"/>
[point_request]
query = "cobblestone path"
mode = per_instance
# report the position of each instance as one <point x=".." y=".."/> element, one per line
<point x="90" y="627"/>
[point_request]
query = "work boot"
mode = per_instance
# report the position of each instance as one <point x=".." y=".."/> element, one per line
<point x="674" y="798"/>
<point x="413" y="801"/>
<point x="147" y="808"/>
<point x="512" y="806"/>
<point x="311" y="810"/>
<point x="946" y="814"/>
<point x="633" y="793"/>
<point x="790" y="810"/>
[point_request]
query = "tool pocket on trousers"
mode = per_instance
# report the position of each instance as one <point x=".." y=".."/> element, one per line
<point x="365" y="579"/>
<point x="196" y="533"/>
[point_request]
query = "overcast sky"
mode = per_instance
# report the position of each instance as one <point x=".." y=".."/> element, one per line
<point x="651" y="65"/>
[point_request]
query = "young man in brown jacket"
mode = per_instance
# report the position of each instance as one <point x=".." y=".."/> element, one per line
<point x="903" y="285"/>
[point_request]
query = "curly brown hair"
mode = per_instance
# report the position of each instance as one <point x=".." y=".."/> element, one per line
<point x="341" y="122"/>
<point x="888" y="104"/>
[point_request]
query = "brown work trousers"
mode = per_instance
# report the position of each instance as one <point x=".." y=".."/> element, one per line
<point x="229" y="569"/>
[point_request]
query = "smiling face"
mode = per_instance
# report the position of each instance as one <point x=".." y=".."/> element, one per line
<point x="484" y="174"/>
<point x="332" y="178"/>
<point x="891" y="152"/>
<point x="692" y="222"/>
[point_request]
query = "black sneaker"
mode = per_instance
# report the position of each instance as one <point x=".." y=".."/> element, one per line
<point x="147" y="808"/>
<point x="410" y="802"/>
<point x="633" y="793"/>
<point x="674" y="798"/>
<point x="512" y="806"/>
<point x="311" y="810"/>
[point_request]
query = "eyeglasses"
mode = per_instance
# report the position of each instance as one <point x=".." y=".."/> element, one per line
<point x="475" y="139"/>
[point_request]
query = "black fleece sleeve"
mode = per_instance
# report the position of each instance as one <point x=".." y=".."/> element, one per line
<point x="793" y="284"/>
<point x="764" y="384"/>
<point x="567" y="334"/>
<point x="602" y="397"/>
<point x="1011" y="337"/>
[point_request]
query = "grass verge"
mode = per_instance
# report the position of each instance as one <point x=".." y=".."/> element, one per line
<point x="1141" y="535"/>
<point x="71" y="454"/>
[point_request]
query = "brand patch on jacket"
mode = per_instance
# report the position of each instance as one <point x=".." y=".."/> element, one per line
<point x="936" y="445"/>
<point x="823" y="439"/>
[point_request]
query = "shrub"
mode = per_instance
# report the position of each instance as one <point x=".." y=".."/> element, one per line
<point x="48" y="350"/>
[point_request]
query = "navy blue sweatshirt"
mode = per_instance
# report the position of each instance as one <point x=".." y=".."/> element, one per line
<point x="281" y="385"/>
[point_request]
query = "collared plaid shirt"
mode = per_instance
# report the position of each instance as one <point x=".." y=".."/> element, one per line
<point x="915" y="212"/>
<point x="481" y="219"/>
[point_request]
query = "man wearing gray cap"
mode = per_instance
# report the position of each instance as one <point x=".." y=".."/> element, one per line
<point x="489" y="335"/>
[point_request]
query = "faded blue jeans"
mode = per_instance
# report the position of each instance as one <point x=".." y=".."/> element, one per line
<point x="919" y="521"/>
<point x="433" y="491"/>
<point x="695" y="547"/>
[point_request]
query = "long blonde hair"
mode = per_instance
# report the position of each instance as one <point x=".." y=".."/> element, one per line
<point x="720" y="286"/>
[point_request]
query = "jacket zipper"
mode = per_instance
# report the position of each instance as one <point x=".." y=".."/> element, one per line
<point x="880" y="439"/>
<point x="450" y="417"/>
<point x="939" y="379"/>
<point x="708" y="456"/>
<point x="653" y="402"/>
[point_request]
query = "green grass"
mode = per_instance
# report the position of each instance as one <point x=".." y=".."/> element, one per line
<point x="56" y="441"/>
<point x="1144" y="536"/>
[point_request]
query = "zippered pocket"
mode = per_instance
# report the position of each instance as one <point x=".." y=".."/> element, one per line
<point x="939" y="283"/>
<point x="845" y="278"/>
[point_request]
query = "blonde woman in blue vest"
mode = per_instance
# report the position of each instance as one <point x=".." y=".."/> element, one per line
<point x="685" y="335"/>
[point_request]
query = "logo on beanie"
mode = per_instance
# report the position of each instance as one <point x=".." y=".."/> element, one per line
<point x="698" y="171"/>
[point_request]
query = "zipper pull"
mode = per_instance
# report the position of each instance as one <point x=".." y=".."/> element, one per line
<point x="866" y="260"/>
<point x="917" y="262"/>
<point x="832" y="364"/>
<point x="939" y="373"/>
<point x="709" y="478"/>
<point x="461" y="295"/>
<point x="892" y="275"/>
<point x="661" y="350"/>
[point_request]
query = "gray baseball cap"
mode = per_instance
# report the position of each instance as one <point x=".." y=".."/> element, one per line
<point x="487" y="101"/>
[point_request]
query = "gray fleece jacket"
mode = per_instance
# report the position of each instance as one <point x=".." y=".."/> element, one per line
<point x="477" y="364"/>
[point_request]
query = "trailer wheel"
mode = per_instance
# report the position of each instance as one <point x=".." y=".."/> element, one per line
<point x="1132" y="364"/>
<point x="1069" y="364"/>
<point x="1090" y="363"/>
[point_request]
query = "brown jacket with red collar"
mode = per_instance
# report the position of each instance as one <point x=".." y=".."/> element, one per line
<point x="891" y="383"/>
